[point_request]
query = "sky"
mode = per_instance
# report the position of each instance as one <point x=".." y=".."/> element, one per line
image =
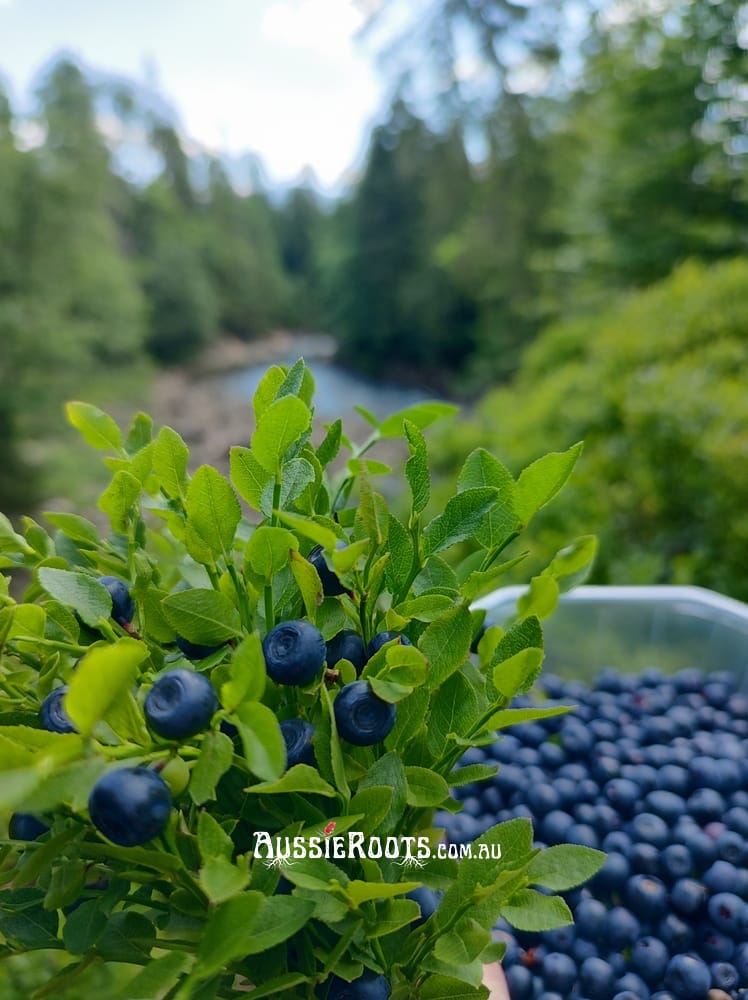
<point x="282" y="78"/>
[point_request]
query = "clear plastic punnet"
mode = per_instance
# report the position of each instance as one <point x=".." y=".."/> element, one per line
<point x="630" y="628"/>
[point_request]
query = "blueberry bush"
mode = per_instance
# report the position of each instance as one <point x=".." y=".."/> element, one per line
<point x="272" y="655"/>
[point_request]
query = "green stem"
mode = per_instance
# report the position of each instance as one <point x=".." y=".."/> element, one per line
<point x="65" y="647"/>
<point x="241" y="593"/>
<point x="494" y="554"/>
<point x="269" y="607"/>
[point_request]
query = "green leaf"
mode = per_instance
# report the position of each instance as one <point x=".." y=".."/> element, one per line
<point x="446" y="643"/>
<point x="10" y="540"/>
<point x="454" y="710"/>
<point x="268" y="550"/>
<point x="522" y="635"/>
<point x="283" y="423"/>
<point x="463" y="944"/>
<point x="83" y="926"/>
<point x="128" y="936"/>
<point x="388" y="771"/>
<point x="417" y="468"/>
<point x="279" y="984"/>
<point x="139" y="434"/>
<point x="392" y="914"/>
<point x="440" y="987"/>
<point x="156" y="978"/>
<point x="216" y="755"/>
<point x="426" y="608"/>
<point x="529" y="910"/>
<point x="228" y="931"/>
<point x="373" y="803"/>
<point x="264" y="747"/>
<point x="203" y="616"/>
<point x="541" y="598"/>
<point x="248" y="476"/>
<point x="279" y="919"/>
<point x="267" y="390"/>
<point x="90" y="599"/>
<point x="330" y="445"/>
<point x="308" y="582"/>
<point x="514" y="716"/>
<point x="420" y="414"/>
<point x="426" y="788"/>
<point x="462" y="517"/>
<point x="472" y="773"/>
<point x="296" y="476"/>
<point x="65" y="884"/>
<point x="565" y="866"/>
<point x="372" y="511"/>
<point x="170" y="458"/>
<point x="540" y="482"/>
<point x="97" y="428"/>
<point x="119" y="499"/>
<point x="400" y="565"/>
<point x="481" y="469"/>
<point x="220" y="879"/>
<point x="247" y="673"/>
<point x="213" y="513"/>
<point x="32" y="929"/>
<point x="100" y="678"/>
<point x="212" y="839"/>
<point x="83" y="532"/>
<point x="300" y="778"/>
<point x="572" y="565"/>
<point x="320" y="533"/>
<point x="518" y="674"/>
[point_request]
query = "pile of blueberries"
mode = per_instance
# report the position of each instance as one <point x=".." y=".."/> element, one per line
<point x="653" y="770"/>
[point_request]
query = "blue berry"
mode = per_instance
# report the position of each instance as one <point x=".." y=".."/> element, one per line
<point x="123" y="606"/>
<point x="130" y="805"/>
<point x="294" y="652"/>
<point x="180" y="704"/>
<point x="379" y="640"/>
<point x="346" y="645"/>
<point x="331" y="585"/>
<point x="362" y="718"/>
<point x="297" y="736"/>
<point x="688" y="977"/>
<point x="52" y="714"/>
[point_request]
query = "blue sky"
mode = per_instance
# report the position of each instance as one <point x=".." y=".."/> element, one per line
<point x="285" y="78"/>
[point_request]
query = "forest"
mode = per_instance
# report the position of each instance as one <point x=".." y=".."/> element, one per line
<point x="562" y="238"/>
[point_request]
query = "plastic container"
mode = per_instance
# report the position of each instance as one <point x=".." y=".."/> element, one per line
<point x="631" y="628"/>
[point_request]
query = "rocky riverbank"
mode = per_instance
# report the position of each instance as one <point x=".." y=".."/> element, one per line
<point x="192" y="400"/>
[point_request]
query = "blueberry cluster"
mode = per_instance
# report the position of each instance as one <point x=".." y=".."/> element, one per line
<point x="653" y="770"/>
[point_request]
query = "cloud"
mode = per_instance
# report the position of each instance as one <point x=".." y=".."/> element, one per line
<point x="325" y="27"/>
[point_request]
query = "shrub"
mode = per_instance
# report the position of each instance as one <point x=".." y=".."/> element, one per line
<point x="144" y="805"/>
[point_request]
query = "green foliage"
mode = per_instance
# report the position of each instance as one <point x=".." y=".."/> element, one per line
<point x="654" y="385"/>
<point x="190" y="911"/>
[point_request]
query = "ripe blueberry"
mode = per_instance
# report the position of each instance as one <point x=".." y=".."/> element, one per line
<point x="25" y="826"/>
<point x="346" y="645"/>
<point x="193" y="650"/>
<point x="377" y="641"/>
<point x="331" y="585"/>
<point x="361" y="716"/>
<point x="130" y="805"/>
<point x="53" y="716"/>
<point x="123" y="606"/>
<point x="180" y="704"/>
<point x="294" y="652"/>
<point x="688" y="977"/>
<point x="297" y="735"/>
<point x="370" y="986"/>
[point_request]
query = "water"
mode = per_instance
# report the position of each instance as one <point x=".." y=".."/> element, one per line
<point x="338" y="390"/>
